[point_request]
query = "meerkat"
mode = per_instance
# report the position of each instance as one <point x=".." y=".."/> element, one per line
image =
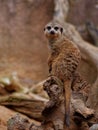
<point x="63" y="60"/>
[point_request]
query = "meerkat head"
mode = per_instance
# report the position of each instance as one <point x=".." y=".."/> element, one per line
<point x="53" y="31"/>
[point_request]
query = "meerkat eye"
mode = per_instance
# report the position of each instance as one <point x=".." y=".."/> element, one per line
<point x="56" y="28"/>
<point x="61" y="29"/>
<point x="49" y="27"/>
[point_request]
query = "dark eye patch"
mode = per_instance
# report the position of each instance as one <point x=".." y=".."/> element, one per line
<point x="49" y="27"/>
<point x="61" y="29"/>
<point x="56" y="28"/>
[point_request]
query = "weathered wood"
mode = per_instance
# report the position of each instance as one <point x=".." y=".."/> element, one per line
<point x="93" y="32"/>
<point x="81" y="108"/>
<point x="18" y="123"/>
<point x="53" y="112"/>
<point x="30" y="107"/>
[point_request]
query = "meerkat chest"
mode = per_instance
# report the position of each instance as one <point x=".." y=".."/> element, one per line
<point x="55" y="53"/>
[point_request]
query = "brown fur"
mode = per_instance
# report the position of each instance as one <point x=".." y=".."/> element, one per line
<point x="63" y="62"/>
<point x="81" y="86"/>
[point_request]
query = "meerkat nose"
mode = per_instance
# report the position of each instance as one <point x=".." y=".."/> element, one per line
<point x="52" y="32"/>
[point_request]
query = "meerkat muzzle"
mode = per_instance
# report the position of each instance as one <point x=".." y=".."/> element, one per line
<point x="52" y="32"/>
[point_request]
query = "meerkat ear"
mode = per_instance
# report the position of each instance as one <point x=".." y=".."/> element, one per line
<point x="44" y="29"/>
<point x="61" y="30"/>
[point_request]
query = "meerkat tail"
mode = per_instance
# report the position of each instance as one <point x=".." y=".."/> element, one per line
<point x="67" y="87"/>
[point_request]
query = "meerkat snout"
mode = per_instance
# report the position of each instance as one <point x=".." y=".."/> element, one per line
<point x="52" y="32"/>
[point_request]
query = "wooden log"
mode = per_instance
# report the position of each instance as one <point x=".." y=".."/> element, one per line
<point x="30" y="107"/>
